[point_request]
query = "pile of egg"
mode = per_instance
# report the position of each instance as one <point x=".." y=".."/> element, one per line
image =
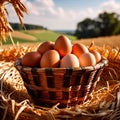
<point x="61" y="53"/>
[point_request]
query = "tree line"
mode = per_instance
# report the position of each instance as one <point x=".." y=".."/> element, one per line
<point x="105" y="24"/>
<point x="17" y="26"/>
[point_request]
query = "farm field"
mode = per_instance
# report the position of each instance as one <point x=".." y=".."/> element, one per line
<point x="33" y="37"/>
<point x="113" y="41"/>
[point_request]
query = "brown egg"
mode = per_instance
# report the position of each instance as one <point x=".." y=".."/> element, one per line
<point x="87" y="59"/>
<point x="70" y="60"/>
<point x="31" y="59"/>
<point x="45" y="46"/>
<point x="63" y="45"/>
<point x="97" y="55"/>
<point x="50" y="58"/>
<point x="78" y="49"/>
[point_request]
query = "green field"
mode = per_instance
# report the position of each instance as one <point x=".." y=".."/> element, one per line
<point x="39" y="35"/>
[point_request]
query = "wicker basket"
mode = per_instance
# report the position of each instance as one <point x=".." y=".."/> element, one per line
<point x="67" y="86"/>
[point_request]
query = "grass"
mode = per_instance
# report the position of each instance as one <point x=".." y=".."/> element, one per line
<point x="16" y="40"/>
<point x="46" y="35"/>
<point x="40" y="36"/>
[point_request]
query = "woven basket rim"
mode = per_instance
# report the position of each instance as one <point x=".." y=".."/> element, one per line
<point x="101" y="64"/>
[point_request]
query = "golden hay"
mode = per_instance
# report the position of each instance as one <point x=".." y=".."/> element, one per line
<point x="5" y="27"/>
<point x="14" y="52"/>
<point x="91" y="109"/>
<point x="103" y="103"/>
<point x="112" y="71"/>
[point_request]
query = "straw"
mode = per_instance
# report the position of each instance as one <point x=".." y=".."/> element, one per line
<point x="5" y="27"/>
<point x="103" y="103"/>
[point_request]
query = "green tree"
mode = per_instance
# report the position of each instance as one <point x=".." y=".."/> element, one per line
<point x="109" y="24"/>
<point x="87" y="28"/>
<point x="105" y="24"/>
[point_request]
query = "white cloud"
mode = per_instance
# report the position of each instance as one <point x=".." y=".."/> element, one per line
<point x="111" y="6"/>
<point x="32" y="8"/>
<point x="61" y="12"/>
<point x="45" y="3"/>
<point x="46" y="13"/>
<point x="108" y="6"/>
<point x="47" y="10"/>
<point x="45" y="6"/>
<point x="90" y="11"/>
<point x="51" y="11"/>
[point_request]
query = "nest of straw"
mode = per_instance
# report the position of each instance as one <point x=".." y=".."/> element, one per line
<point x="15" y="103"/>
<point x="5" y="27"/>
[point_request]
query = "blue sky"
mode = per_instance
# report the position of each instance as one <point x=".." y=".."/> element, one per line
<point x="63" y="14"/>
<point x="77" y="4"/>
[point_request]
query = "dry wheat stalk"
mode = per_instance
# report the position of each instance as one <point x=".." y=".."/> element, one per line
<point x="5" y="27"/>
<point x="14" y="52"/>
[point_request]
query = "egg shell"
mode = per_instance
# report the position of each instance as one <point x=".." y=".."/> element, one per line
<point x="78" y="49"/>
<point x="97" y="55"/>
<point x="31" y="59"/>
<point x="63" y="45"/>
<point x="70" y="60"/>
<point x="51" y="58"/>
<point x="45" y="46"/>
<point x="87" y="59"/>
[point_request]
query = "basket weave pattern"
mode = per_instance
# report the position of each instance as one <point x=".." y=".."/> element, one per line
<point x="67" y="86"/>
